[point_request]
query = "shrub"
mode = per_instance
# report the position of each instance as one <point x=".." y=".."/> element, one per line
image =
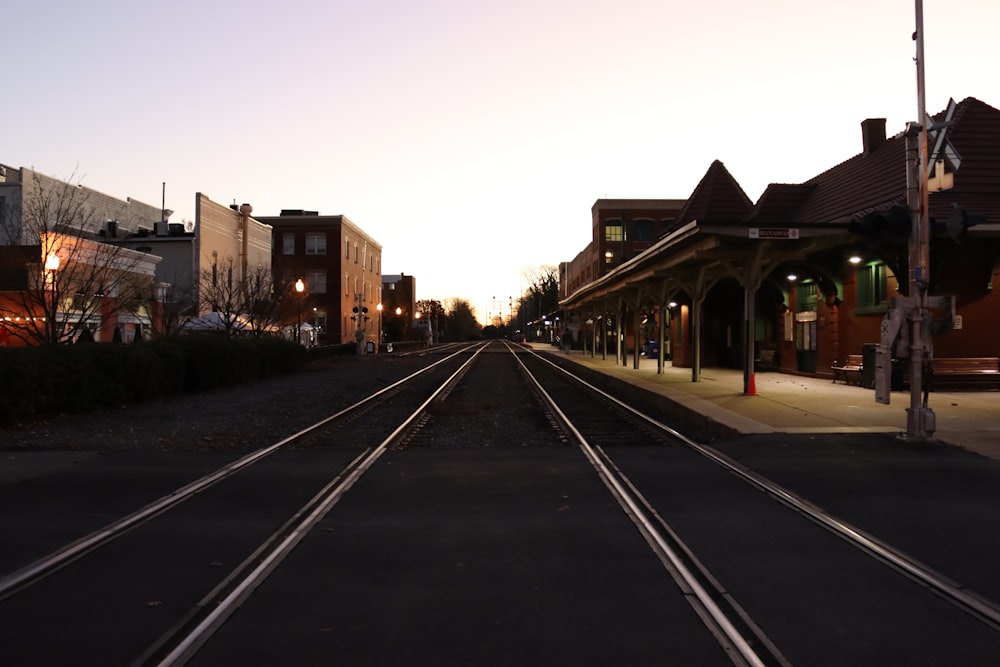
<point x="64" y="379"/>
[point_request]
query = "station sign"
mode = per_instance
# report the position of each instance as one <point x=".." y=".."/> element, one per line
<point x="773" y="233"/>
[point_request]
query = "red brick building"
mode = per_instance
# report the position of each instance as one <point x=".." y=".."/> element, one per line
<point x="340" y="265"/>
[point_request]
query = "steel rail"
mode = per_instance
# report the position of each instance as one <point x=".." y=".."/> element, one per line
<point x="24" y="577"/>
<point x="242" y="586"/>
<point x="734" y="643"/>
<point x="957" y="594"/>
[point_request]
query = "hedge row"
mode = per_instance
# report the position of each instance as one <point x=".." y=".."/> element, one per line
<point x="60" y="379"/>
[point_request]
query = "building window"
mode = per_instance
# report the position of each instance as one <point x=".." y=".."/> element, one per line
<point x="316" y="280"/>
<point x="315" y="244"/>
<point x="288" y="244"/>
<point x="872" y="287"/>
<point x="643" y="230"/>
<point x="614" y="231"/>
<point x="347" y="248"/>
<point x="355" y="253"/>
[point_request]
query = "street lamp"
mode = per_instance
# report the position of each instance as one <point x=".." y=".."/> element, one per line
<point x="300" y="287"/>
<point x="52" y="263"/>
<point x="378" y="346"/>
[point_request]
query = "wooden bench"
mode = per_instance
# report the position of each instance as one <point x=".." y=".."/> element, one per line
<point x="967" y="371"/>
<point x="849" y="371"/>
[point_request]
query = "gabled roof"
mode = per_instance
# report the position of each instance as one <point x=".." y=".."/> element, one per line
<point x="860" y="184"/>
<point x="975" y="134"/>
<point x="717" y="198"/>
<point x="778" y="203"/>
<point x="877" y="179"/>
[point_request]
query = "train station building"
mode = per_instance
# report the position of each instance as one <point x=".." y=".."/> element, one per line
<point x="804" y="277"/>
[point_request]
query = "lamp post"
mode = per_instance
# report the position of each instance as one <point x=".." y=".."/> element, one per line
<point x="378" y="339"/>
<point x="300" y="287"/>
<point x="51" y="266"/>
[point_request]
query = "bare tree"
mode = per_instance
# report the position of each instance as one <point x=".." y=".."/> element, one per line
<point x="176" y="303"/>
<point x="221" y="291"/>
<point x="542" y="294"/>
<point x="71" y="282"/>
<point x="252" y="305"/>
<point x="266" y="304"/>
<point x="432" y="312"/>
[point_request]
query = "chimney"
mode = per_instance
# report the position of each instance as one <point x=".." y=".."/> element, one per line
<point x="872" y="134"/>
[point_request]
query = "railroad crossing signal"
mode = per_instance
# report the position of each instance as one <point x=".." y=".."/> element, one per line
<point x="940" y="180"/>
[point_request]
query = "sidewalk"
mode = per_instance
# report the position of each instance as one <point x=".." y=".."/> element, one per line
<point x="795" y="404"/>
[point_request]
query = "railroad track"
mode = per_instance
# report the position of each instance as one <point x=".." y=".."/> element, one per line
<point x="474" y="476"/>
<point x="596" y="421"/>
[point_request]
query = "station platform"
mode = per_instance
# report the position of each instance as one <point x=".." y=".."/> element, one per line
<point x="786" y="403"/>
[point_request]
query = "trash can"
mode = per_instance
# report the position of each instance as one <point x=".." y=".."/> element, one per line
<point x="868" y="352"/>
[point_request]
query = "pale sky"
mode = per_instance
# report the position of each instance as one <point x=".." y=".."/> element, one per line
<point x="469" y="138"/>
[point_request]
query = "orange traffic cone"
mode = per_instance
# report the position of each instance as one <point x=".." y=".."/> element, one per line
<point x="752" y="386"/>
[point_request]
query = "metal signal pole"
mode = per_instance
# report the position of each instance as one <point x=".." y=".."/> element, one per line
<point x="920" y="420"/>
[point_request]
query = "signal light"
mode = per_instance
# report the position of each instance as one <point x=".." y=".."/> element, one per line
<point x="889" y="226"/>
<point x="958" y="223"/>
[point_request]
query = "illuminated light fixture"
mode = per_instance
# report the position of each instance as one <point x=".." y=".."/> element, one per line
<point x="854" y="259"/>
<point x="672" y="304"/>
<point x="792" y="277"/>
